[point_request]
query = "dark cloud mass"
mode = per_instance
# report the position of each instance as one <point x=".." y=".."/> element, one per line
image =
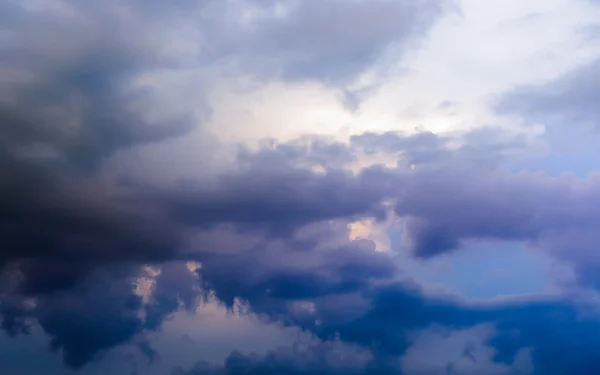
<point x="99" y="259"/>
<point x="63" y="110"/>
<point x="67" y="107"/>
<point x="74" y="93"/>
<point x="312" y="360"/>
<point x="348" y="286"/>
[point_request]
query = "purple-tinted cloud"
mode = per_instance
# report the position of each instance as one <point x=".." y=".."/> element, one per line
<point x="566" y="102"/>
<point x="318" y="40"/>
<point x="271" y="232"/>
<point x="313" y="261"/>
<point x="313" y="360"/>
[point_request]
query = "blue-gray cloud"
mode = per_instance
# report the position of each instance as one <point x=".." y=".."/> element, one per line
<point x="313" y="360"/>
<point x="273" y="231"/>
<point x="568" y="102"/>
<point x="312" y="260"/>
<point x="76" y="104"/>
<point x="394" y="312"/>
<point x="101" y="311"/>
<point x="329" y="40"/>
<point x="64" y="109"/>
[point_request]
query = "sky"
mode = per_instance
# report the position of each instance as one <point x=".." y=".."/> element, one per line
<point x="304" y="187"/>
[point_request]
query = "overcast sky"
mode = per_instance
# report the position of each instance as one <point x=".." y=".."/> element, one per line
<point x="305" y="187"/>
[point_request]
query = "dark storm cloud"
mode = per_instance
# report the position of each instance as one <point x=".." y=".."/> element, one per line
<point x="14" y="313"/>
<point x="394" y="313"/>
<point x="495" y="204"/>
<point x="66" y="107"/>
<point x="566" y="102"/>
<point x="272" y="231"/>
<point x="79" y="232"/>
<point x="443" y="212"/>
<point x="75" y="99"/>
<point x="85" y="320"/>
<point x="280" y="275"/>
<point x="555" y="215"/>
<point x="175" y="288"/>
<point x="549" y="333"/>
<point x="90" y="318"/>
<point x="313" y="261"/>
<point x="277" y="199"/>
<point x="103" y="311"/>
<point x="69" y="100"/>
<point x="454" y="196"/>
<point x="59" y="232"/>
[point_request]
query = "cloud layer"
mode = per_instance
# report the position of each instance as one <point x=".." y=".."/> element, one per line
<point x="100" y="254"/>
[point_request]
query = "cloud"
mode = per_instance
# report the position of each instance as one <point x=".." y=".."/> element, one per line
<point x="457" y="195"/>
<point x="303" y="274"/>
<point x="552" y="214"/>
<point x="318" y="40"/>
<point x="65" y="108"/>
<point x="89" y="319"/>
<point x="495" y="204"/>
<point x="273" y="193"/>
<point x="310" y="275"/>
<point x="97" y="257"/>
<point x="317" y="359"/>
<point x="566" y="101"/>
<point x="79" y="101"/>
<point x="396" y="312"/>
<point x="113" y="306"/>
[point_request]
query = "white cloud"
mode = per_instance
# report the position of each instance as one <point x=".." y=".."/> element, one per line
<point x="446" y="83"/>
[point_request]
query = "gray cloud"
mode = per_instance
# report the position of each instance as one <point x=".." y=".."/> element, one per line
<point x="67" y="108"/>
<point x="69" y="100"/>
<point x="316" y="359"/>
<point x="112" y="306"/>
<point x="553" y="214"/>
<point x="280" y="200"/>
<point x="64" y="109"/>
<point x="312" y="261"/>
<point x="271" y="232"/>
<point x="565" y="102"/>
<point x="328" y="40"/>
<point x="443" y="213"/>
<point x="311" y="275"/>
<point x="77" y="100"/>
<point x="396" y="311"/>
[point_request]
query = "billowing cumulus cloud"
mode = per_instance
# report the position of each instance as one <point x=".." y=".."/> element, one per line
<point x="67" y="107"/>
<point x="99" y="256"/>
<point x="311" y="275"/>
<point x="297" y="266"/>
<point x="314" y="277"/>
<point x="298" y="359"/>
<point x="75" y="92"/>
